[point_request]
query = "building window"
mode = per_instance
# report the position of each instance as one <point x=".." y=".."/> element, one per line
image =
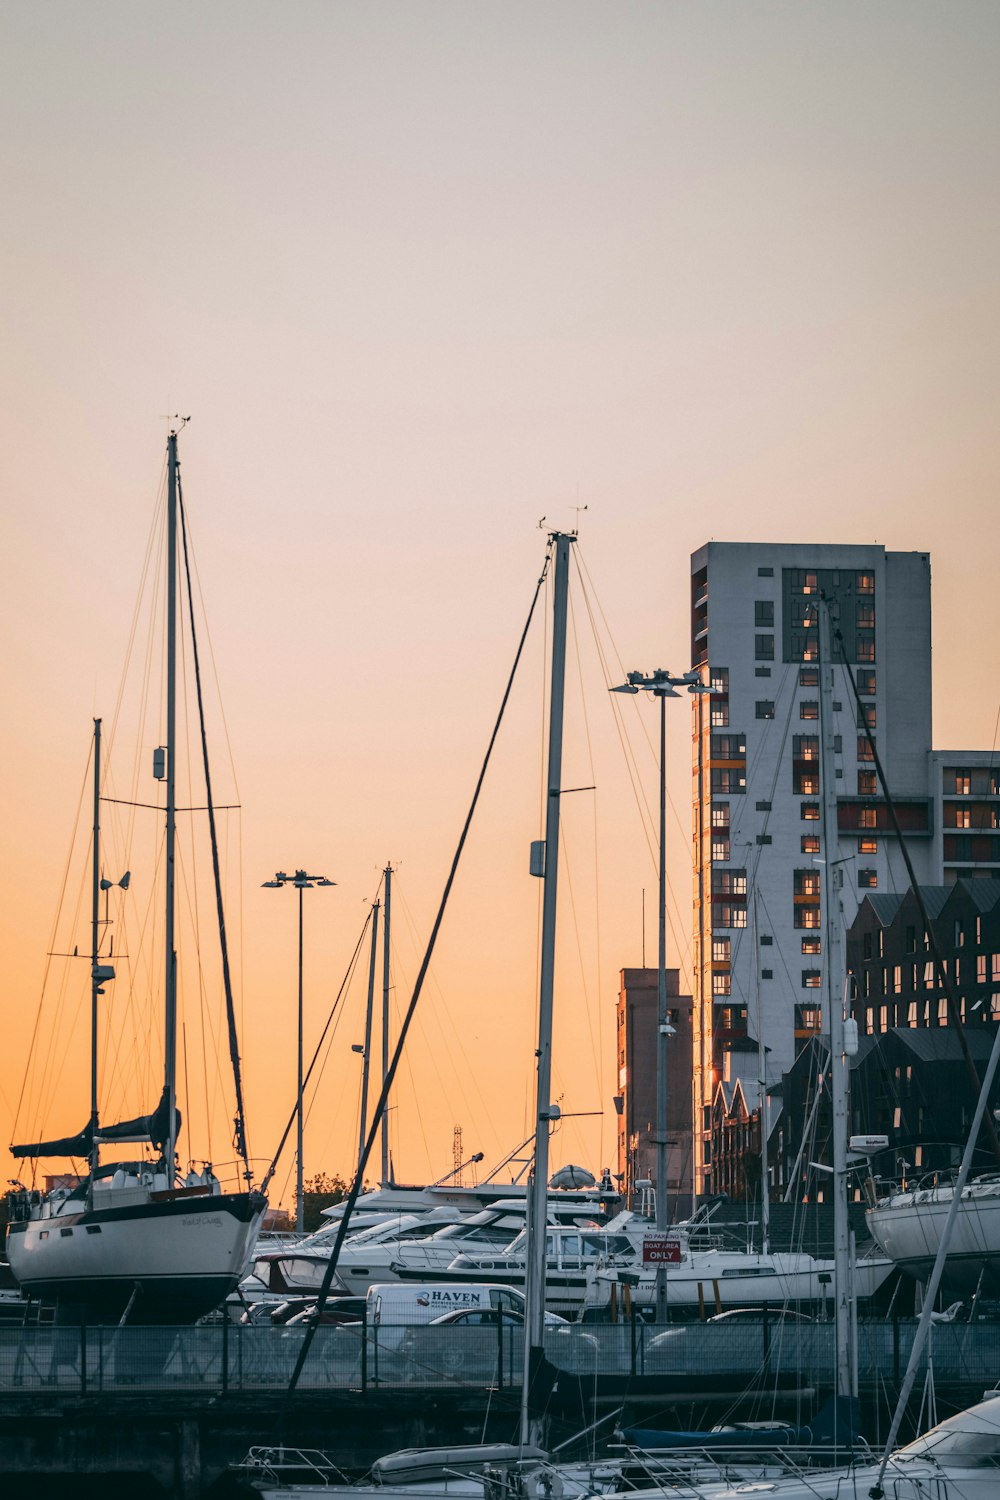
<point x="763" y="807"/>
<point x="720" y="850"/>
<point x="942" y="1015"/>
<point x="810" y="812"/>
<point x="763" y="838"/>
<point x="728" y="747"/>
<point x="721" y="984"/>
<point x="868" y="880"/>
<point x="963" y="817"/>
<point x="865" y="583"/>
<point x="897" y="979"/>
<point x="867" y="784"/>
<point x="724" y="915"/>
<point x="929" y="974"/>
<point x="867" y="817"/>
<point x="959" y="933"/>
<point x="810" y="979"/>
<point x="864" y="645"/>
<point x="809" y="709"/>
<point x="763" y="612"/>
<point x="720" y="814"/>
<point x="865" y="616"/>
<point x="963" y="784"/>
<point x="807" y="918"/>
<point x="765" y="708"/>
<point x="720" y="715"/>
<point x="865" y="749"/>
<point x="765" y="572"/>
<point x="811" y="945"/>
<point x="866" y="682"/>
<point x="809" y="677"/>
<point x="866" y="945"/>
<point x="809" y="843"/>
<point x="729" y="882"/>
<point x="981" y="968"/>
<point x="806" y="882"/>
<point x="867" y="846"/>
<point x="808" y="1018"/>
<point x="766" y="940"/>
<point x="764" y="647"/>
<point x="805" y="747"/>
<point x="802" y="582"/>
<point x="718" y="679"/>
<point x="721" y="949"/>
<point x="805" y="783"/>
<point x="866" y="715"/>
<point x="727" y="782"/>
<point x="767" y="973"/>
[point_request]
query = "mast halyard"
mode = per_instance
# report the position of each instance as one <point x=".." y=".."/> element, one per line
<point x="95" y="981"/>
<point x="545" y="1112"/>
<point x="170" y="994"/>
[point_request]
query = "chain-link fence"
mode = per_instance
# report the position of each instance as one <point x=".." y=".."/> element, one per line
<point x="225" y="1358"/>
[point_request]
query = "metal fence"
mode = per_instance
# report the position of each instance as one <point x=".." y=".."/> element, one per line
<point x="225" y="1359"/>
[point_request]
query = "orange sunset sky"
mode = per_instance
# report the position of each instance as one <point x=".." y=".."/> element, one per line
<point x="422" y="273"/>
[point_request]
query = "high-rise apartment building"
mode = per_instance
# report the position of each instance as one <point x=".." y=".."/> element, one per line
<point x="760" y="865"/>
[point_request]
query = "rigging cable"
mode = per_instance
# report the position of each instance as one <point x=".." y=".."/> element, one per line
<point x="239" y="1123"/>
<point x="379" y="1110"/>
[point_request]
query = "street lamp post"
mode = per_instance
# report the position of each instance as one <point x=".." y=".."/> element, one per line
<point x="661" y="684"/>
<point x="301" y="882"/>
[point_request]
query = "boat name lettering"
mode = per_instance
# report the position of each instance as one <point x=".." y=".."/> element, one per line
<point x="199" y="1220"/>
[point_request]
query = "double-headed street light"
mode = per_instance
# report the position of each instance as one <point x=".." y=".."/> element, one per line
<point x="662" y="685"/>
<point x="301" y="882"/>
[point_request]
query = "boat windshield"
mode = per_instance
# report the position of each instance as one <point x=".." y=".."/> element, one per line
<point x="970" y="1440"/>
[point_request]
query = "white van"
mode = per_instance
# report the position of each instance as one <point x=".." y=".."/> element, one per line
<point x="401" y="1305"/>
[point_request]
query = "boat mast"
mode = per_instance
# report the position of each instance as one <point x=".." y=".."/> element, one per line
<point x="170" y="992"/>
<point x="545" y="1111"/>
<point x="95" y="982"/>
<point x="835" y="972"/>
<point x="368" y="1038"/>
<point x="385" y="1017"/>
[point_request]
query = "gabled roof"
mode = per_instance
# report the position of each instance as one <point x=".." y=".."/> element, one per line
<point x="884" y="906"/>
<point x="983" y="894"/>
<point x="940" y="1043"/>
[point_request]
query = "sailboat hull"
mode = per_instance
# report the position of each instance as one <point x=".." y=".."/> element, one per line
<point x="161" y="1262"/>
<point x="909" y="1227"/>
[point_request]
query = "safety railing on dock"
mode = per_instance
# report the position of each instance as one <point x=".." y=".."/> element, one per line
<point x="228" y="1359"/>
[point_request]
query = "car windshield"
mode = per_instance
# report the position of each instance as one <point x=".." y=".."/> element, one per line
<point x="970" y="1440"/>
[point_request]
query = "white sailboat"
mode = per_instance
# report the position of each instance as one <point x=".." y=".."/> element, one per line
<point x="133" y="1238"/>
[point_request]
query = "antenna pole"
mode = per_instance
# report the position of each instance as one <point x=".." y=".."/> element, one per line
<point x="385" y="1016"/>
<point x="95" y="983"/>
<point x="170" y="1017"/>
<point x="368" y="1036"/>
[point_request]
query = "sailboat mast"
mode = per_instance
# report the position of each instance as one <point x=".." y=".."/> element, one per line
<point x="95" y="983"/>
<point x="385" y="1016"/>
<point x="835" y="972"/>
<point x="170" y="990"/>
<point x="544" y="1113"/>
